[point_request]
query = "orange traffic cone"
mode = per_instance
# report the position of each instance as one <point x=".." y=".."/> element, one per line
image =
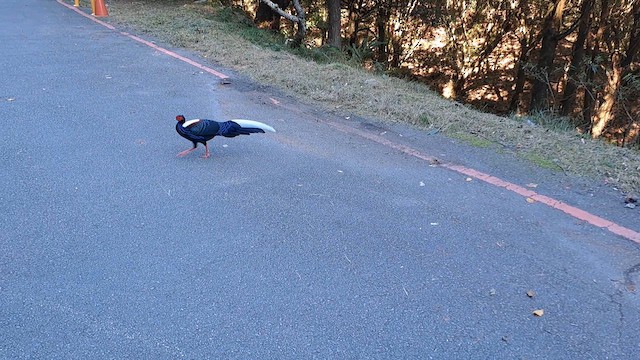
<point x="99" y="8"/>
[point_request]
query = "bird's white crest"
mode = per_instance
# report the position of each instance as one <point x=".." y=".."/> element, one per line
<point x="253" y="124"/>
<point x="190" y="122"/>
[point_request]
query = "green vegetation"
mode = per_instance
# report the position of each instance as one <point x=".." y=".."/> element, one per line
<point x="542" y="162"/>
<point x="473" y="140"/>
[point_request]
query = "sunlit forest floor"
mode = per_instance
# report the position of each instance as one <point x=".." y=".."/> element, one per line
<point x="227" y="37"/>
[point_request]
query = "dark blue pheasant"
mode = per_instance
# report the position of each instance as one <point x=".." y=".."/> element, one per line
<point x="203" y="130"/>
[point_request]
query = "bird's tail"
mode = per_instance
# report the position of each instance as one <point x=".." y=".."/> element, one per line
<point x="251" y="124"/>
<point x="233" y="128"/>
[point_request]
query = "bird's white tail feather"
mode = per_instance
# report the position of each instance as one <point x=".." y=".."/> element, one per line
<point x="253" y="124"/>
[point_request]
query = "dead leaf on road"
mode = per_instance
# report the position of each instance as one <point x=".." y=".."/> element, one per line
<point x="531" y="293"/>
<point x="530" y="200"/>
<point x="539" y="312"/>
<point x="532" y="185"/>
<point x="468" y="179"/>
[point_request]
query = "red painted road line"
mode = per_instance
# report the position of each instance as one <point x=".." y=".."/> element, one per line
<point x="524" y="192"/>
<point x="177" y="56"/>
<point x="551" y="202"/>
<point x="148" y="43"/>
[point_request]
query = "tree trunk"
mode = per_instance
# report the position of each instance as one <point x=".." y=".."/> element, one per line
<point x="382" y="23"/>
<point x="521" y="76"/>
<point x="620" y="67"/>
<point x="550" y="38"/>
<point x="354" y="20"/>
<point x="594" y="41"/>
<point x="525" y="40"/>
<point x="634" y="40"/>
<point x="459" y="87"/>
<point x="459" y="48"/>
<point x="335" y="23"/>
<point x="606" y="111"/>
<point x="578" y="54"/>
<point x="396" y="46"/>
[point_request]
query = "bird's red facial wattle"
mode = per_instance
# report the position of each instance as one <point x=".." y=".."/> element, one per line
<point x="180" y="118"/>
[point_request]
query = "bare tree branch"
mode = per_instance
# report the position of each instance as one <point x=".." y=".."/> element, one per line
<point x="299" y="19"/>
<point x="282" y="13"/>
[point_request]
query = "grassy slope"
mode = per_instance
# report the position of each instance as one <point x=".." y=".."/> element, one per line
<point x="226" y="38"/>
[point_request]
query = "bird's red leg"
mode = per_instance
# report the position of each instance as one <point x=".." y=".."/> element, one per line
<point x="206" y="153"/>
<point x="183" y="153"/>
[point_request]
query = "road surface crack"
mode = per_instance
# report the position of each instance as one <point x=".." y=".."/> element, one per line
<point x="629" y="274"/>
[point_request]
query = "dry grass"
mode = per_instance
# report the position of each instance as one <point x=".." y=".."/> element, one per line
<point x="219" y="35"/>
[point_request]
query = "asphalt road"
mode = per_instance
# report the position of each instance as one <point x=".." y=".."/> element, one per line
<point x="313" y="242"/>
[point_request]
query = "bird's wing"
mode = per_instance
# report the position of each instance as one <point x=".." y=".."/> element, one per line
<point x="203" y="127"/>
<point x="253" y="124"/>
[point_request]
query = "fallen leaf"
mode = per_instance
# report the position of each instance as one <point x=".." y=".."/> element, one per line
<point x="468" y="179"/>
<point x="539" y="312"/>
<point x="492" y="292"/>
<point x="530" y="200"/>
<point x="505" y="338"/>
<point x="421" y="183"/>
<point x="531" y="293"/>
<point x="532" y="185"/>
